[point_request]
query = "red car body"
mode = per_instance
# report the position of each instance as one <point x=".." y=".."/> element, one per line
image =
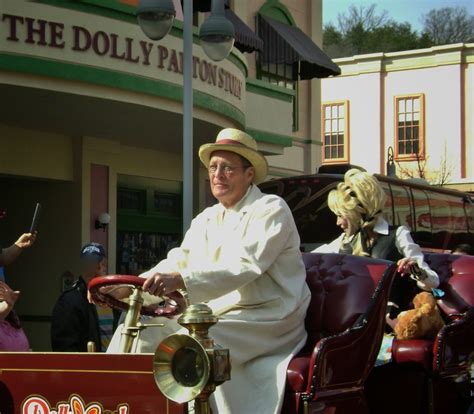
<point x="80" y="383"/>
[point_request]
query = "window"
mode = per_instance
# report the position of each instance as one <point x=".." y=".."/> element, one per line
<point x="131" y="200"/>
<point x="335" y="117"/>
<point x="409" y="131"/>
<point x="167" y="203"/>
<point x="281" y="75"/>
<point x="277" y="74"/>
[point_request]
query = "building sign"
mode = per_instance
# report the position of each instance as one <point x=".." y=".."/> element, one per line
<point x="36" y="404"/>
<point x="86" y="39"/>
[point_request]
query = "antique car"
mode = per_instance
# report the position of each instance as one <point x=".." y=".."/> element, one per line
<point x="439" y="218"/>
<point x="333" y="373"/>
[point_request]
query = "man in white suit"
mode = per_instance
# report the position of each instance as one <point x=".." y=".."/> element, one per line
<point x="241" y="256"/>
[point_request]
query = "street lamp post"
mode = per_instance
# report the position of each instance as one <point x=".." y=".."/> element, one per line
<point x="187" y="114"/>
<point x="391" y="168"/>
<point x="156" y="17"/>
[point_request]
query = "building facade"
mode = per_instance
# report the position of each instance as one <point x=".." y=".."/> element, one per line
<point x="417" y="105"/>
<point x="91" y="123"/>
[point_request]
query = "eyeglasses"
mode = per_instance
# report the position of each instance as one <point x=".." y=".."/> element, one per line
<point x="226" y="169"/>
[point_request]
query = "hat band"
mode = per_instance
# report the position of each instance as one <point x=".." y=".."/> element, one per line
<point x="230" y="142"/>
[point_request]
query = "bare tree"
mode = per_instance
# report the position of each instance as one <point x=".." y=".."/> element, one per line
<point x="362" y="16"/>
<point x="449" y="25"/>
<point x="439" y="177"/>
<point x="443" y="175"/>
<point x="418" y="172"/>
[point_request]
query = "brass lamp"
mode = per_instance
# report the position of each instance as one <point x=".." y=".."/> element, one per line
<point x="190" y="367"/>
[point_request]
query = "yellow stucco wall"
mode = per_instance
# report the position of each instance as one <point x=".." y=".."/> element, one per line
<point x="35" y="153"/>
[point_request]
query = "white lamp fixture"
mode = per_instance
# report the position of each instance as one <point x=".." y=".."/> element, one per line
<point x="102" y="221"/>
<point x="217" y="34"/>
<point x="156" y="17"/>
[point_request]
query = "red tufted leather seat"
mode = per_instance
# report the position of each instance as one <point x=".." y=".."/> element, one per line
<point x="345" y="323"/>
<point x="433" y="376"/>
<point x="451" y="353"/>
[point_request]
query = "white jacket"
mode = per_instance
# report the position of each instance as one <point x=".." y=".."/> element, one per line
<point x="246" y="264"/>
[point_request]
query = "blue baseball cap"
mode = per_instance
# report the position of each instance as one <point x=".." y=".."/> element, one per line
<point x="93" y="251"/>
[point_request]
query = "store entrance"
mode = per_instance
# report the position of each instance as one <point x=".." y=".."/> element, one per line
<point x="149" y="222"/>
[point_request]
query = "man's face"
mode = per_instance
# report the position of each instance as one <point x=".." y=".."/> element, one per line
<point x="102" y="268"/>
<point x="93" y="268"/>
<point x="229" y="177"/>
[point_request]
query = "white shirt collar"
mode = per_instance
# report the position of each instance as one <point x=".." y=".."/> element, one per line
<point x="381" y="226"/>
<point x="240" y="205"/>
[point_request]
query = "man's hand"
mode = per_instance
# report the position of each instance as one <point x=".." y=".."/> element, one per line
<point x="118" y="292"/>
<point x="26" y="240"/>
<point x="160" y="284"/>
<point x="10" y="254"/>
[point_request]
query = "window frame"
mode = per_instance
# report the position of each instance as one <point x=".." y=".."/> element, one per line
<point x="421" y="128"/>
<point x="346" y="157"/>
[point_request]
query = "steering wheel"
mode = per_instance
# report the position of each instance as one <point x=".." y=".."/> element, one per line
<point x="172" y="304"/>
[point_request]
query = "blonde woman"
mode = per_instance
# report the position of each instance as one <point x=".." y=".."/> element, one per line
<point x="358" y="203"/>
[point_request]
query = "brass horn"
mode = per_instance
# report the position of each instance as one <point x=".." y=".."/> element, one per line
<point x="188" y="367"/>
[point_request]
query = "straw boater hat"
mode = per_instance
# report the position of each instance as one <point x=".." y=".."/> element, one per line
<point x="239" y="142"/>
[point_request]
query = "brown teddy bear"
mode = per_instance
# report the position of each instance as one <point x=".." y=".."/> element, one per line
<point x="423" y="322"/>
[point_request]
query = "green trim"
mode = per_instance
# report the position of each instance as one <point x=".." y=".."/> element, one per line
<point x="149" y="223"/>
<point x="307" y="141"/>
<point x="105" y="77"/>
<point x="270" y="137"/>
<point x="237" y="60"/>
<point x="267" y="89"/>
<point x="277" y="11"/>
<point x="126" y="13"/>
<point x="112" y="4"/>
<point x="296" y="108"/>
<point x="118" y="13"/>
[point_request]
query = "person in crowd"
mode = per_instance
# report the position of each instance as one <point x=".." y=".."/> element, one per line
<point x="76" y="322"/>
<point x="12" y="336"/>
<point x="242" y="257"/>
<point x="462" y="249"/>
<point x="358" y="203"/>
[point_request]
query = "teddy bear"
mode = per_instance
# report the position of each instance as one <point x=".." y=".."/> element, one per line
<point x="423" y="322"/>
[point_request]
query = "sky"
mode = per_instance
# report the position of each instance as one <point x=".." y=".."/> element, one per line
<point x="401" y="11"/>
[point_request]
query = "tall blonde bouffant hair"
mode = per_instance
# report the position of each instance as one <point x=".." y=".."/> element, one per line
<point x="360" y="199"/>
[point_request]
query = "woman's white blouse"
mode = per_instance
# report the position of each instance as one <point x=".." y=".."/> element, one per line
<point x="404" y="244"/>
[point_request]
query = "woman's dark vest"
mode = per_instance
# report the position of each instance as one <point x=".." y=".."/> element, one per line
<point x="384" y="248"/>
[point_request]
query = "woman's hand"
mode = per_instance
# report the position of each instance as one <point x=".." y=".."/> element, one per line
<point x="26" y="240"/>
<point x="405" y="266"/>
<point x="160" y="284"/>
<point x="8" y="295"/>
